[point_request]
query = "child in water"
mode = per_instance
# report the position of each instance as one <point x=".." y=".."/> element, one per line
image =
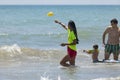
<point x="71" y="45"/>
<point x="94" y="52"/>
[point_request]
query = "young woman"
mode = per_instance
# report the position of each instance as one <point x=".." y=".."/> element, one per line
<point x="71" y="45"/>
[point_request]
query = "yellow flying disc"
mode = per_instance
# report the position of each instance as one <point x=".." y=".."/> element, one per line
<point x="50" y="14"/>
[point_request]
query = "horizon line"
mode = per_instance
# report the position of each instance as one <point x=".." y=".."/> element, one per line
<point x="59" y="4"/>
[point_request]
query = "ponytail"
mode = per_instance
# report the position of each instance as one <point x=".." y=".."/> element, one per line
<point x="72" y="24"/>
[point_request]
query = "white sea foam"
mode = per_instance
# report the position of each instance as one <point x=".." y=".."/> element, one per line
<point x="47" y="78"/>
<point x="12" y="49"/>
<point x="111" y="78"/>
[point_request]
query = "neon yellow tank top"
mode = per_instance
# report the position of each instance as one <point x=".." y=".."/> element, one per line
<point x="71" y="38"/>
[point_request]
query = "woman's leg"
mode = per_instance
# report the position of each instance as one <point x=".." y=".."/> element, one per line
<point x="72" y="61"/>
<point x="64" y="61"/>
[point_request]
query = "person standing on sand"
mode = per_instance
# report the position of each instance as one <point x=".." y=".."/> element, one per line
<point x="112" y="45"/>
<point x="71" y="45"/>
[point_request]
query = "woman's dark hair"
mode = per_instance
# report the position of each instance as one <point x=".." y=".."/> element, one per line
<point x="114" y="21"/>
<point x="72" y="25"/>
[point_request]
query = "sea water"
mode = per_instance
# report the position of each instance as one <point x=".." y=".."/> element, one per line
<point x="30" y="42"/>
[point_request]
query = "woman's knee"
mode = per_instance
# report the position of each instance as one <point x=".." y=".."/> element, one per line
<point x="61" y="62"/>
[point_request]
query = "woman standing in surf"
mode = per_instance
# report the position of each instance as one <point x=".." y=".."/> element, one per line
<point x="71" y="45"/>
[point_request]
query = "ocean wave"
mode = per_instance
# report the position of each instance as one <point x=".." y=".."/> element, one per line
<point x="15" y="52"/>
<point x="34" y="34"/>
<point x="3" y="34"/>
<point x="8" y="52"/>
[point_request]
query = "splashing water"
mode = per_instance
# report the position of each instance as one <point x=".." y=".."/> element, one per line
<point x="116" y="78"/>
<point x="11" y="51"/>
<point x="47" y="78"/>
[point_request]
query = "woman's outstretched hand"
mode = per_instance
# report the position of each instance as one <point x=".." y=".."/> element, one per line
<point x="56" y="21"/>
<point x="63" y="44"/>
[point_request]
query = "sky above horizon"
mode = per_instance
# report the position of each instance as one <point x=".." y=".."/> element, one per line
<point x="56" y="2"/>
